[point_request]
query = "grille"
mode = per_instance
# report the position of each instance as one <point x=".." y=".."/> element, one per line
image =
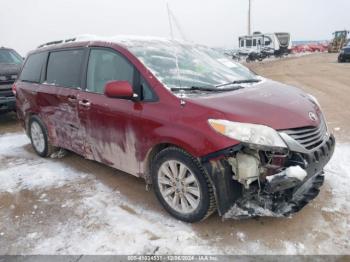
<point x="309" y="137"/>
<point x="6" y="93"/>
<point x="7" y="79"/>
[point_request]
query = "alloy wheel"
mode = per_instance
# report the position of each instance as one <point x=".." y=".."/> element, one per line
<point x="37" y="136"/>
<point x="179" y="186"/>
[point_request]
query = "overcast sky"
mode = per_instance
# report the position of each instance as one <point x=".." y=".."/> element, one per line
<point x="24" y="24"/>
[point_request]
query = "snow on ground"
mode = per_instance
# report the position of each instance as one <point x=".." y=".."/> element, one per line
<point x="338" y="176"/>
<point x="23" y="165"/>
<point x="100" y="223"/>
<point x="74" y="213"/>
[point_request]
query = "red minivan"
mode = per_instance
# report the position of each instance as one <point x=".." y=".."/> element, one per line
<point x="207" y="133"/>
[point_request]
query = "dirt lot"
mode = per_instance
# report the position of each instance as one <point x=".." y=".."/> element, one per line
<point x="74" y="206"/>
<point x="321" y="76"/>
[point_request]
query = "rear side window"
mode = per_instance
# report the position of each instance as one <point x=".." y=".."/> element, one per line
<point x="104" y="66"/>
<point x="64" y="68"/>
<point x="31" y="71"/>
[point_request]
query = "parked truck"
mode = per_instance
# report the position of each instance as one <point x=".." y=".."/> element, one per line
<point x="10" y="65"/>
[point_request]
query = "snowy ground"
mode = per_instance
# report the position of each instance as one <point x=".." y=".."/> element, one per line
<point x="48" y="206"/>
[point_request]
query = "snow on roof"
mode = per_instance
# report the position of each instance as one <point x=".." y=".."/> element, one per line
<point x="126" y="40"/>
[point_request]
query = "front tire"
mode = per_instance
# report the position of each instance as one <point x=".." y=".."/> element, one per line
<point x="182" y="186"/>
<point x="39" y="137"/>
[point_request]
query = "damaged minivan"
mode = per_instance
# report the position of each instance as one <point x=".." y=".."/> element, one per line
<point x="207" y="133"/>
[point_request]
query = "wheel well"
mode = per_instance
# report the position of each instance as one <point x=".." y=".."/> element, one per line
<point x="150" y="156"/>
<point x="26" y="122"/>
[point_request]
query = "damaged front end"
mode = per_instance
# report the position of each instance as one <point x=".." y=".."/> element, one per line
<point x="252" y="180"/>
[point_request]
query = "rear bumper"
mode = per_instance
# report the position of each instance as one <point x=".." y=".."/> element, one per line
<point x="235" y="202"/>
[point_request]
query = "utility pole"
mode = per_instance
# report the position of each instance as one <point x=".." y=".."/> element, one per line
<point x="249" y="18"/>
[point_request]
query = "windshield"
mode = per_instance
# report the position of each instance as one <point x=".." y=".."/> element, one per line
<point x="179" y="65"/>
<point x="340" y="34"/>
<point x="9" y="57"/>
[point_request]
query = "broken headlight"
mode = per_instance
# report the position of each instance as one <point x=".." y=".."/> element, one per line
<point x="248" y="133"/>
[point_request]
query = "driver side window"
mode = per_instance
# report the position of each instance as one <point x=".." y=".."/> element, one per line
<point x="105" y="66"/>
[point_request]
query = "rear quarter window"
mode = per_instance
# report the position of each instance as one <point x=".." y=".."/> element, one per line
<point x="64" y="68"/>
<point x="32" y="69"/>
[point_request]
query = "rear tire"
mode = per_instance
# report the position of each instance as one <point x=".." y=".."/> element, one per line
<point x="39" y="137"/>
<point x="182" y="186"/>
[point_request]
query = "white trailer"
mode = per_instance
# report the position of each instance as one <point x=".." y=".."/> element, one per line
<point x="276" y="43"/>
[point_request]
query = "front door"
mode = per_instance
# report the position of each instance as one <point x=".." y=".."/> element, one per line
<point x="110" y="124"/>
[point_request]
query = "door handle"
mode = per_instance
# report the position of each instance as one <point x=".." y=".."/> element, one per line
<point x="72" y="98"/>
<point x="85" y="103"/>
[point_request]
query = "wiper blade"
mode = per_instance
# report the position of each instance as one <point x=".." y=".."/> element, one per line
<point x="214" y="88"/>
<point x="206" y="88"/>
<point x="245" y="81"/>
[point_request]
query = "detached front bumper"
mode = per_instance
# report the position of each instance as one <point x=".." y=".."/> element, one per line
<point x="236" y="201"/>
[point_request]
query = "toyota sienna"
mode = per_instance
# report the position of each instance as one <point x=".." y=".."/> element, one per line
<point x="207" y="133"/>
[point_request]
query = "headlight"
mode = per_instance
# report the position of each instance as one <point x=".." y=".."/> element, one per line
<point x="248" y="133"/>
<point x="342" y="51"/>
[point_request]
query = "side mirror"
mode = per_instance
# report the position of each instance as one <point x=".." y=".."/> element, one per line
<point x="119" y="89"/>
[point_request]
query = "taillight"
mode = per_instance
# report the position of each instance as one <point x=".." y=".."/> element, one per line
<point x="14" y="91"/>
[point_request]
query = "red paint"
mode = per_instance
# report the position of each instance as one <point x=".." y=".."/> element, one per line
<point x="118" y="89"/>
<point x="122" y="132"/>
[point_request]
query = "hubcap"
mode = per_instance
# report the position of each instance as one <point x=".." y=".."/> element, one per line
<point x="37" y="136"/>
<point x="178" y="186"/>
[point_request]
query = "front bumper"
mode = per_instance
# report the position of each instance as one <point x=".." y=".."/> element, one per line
<point x="7" y="104"/>
<point x="7" y="99"/>
<point x="235" y="202"/>
<point x="344" y="57"/>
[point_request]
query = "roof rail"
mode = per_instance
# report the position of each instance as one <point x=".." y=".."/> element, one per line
<point x="57" y="42"/>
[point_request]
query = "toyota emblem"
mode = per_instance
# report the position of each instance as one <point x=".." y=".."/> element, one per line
<point x="312" y="116"/>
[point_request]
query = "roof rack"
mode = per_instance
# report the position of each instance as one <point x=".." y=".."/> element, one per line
<point x="57" y="42"/>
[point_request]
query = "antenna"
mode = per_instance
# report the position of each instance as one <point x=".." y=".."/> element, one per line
<point x="170" y="24"/>
<point x="172" y="38"/>
<point x="249" y="18"/>
<point x="172" y="18"/>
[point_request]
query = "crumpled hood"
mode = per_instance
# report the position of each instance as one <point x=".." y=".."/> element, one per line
<point x="9" y="69"/>
<point x="267" y="103"/>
